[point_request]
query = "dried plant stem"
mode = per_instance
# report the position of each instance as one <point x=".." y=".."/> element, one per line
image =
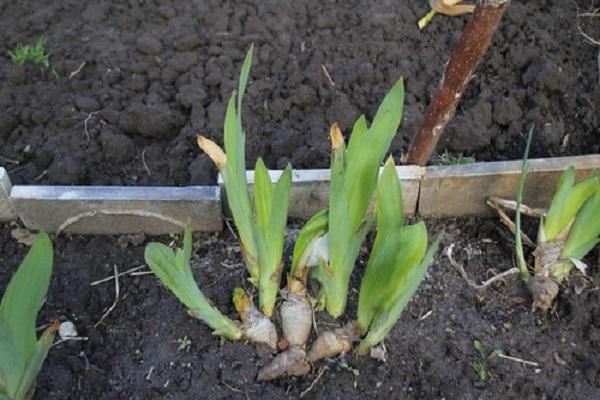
<point x="484" y="285"/>
<point x="469" y="52"/>
<point x="505" y="219"/>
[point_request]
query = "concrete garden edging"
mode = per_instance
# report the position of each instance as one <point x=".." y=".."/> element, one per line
<point x="434" y="191"/>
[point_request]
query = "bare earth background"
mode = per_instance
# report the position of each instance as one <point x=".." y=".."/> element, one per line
<point x="430" y="350"/>
<point x="157" y="72"/>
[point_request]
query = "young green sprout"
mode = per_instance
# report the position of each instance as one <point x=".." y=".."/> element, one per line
<point x="354" y="172"/>
<point x="397" y="264"/>
<point x="568" y="231"/>
<point x="31" y="52"/>
<point x="21" y="353"/>
<point x="328" y="244"/>
<point x="173" y="269"/>
<point x="261" y="224"/>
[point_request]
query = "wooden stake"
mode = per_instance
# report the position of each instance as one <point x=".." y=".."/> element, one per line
<point x="469" y="52"/>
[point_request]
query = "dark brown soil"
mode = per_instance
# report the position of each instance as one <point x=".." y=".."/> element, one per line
<point x="157" y="72"/>
<point x="134" y="353"/>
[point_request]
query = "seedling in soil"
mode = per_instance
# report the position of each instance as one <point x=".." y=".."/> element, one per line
<point x="185" y="343"/>
<point x="397" y="264"/>
<point x="479" y="367"/>
<point x="261" y="223"/>
<point x="31" y="52"/>
<point x="567" y="232"/>
<point x="329" y="242"/>
<point x="21" y="353"/>
<point x="174" y="270"/>
<point x="459" y="159"/>
<point x="354" y="371"/>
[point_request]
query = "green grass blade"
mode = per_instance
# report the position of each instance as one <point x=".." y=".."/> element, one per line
<point x="279" y="212"/>
<point x="518" y="241"/>
<point x="263" y="194"/>
<point x="359" y="130"/>
<point x="310" y="232"/>
<point x="390" y="210"/>
<point x="12" y="361"/>
<point x="585" y="232"/>
<point x="35" y="362"/>
<point x="339" y="232"/>
<point x="367" y="150"/>
<point x="243" y="81"/>
<point x="387" y="317"/>
<point x="566" y="202"/>
<point x="271" y="242"/>
<point x="173" y="269"/>
<point x="388" y="270"/>
<point x="25" y="293"/>
<point x="234" y="177"/>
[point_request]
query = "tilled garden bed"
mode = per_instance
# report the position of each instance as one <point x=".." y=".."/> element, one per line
<point x="136" y="352"/>
<point x="131" y="82"/>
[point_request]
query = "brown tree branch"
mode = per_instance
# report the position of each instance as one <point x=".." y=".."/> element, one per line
<point x="469" y="52"/>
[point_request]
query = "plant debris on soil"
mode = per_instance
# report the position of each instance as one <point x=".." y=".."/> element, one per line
<point x="136" y="353"/>
<point x="131" y="83"/>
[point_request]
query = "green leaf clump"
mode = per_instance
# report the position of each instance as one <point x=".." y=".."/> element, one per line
<point x="173" y="269"/>
<point x="261" y="223"/>
<point x="21" y="353"/>
<point x="397" y="264"/>
<point x="354" y="174"/>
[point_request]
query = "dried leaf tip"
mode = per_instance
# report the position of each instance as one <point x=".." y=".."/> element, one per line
<point x="451" y="7"/>
<point x="212" y="150"/>
<point x="242" y="302"/>
<point x="337" y="139"/>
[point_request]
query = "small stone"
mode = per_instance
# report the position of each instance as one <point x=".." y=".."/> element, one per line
<point x="182" y="62"/>
<point x="137" y="83"/>
<point x="153" y="121"/>
<point x="117" y="148"/>
<point x="201" y="170"/>
<point x="342" y="111"/>
<point x="66" y="171"/>
<point x="191" y="94"/>
<point x="188" y="42"/>
<point x="552" y="133"/>
<point x="67" y="330"/>
<point x="166" y="12"/>
<point x="304" y="95"/>
<point x="149" y="44"/>
<point x="86" y="104"/>
<point x="506" y="110"/>
<point x="543" y="73"/>
<point x="198" y="117"/>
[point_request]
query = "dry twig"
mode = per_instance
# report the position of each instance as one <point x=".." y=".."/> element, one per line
<point x="327" y="75"/>
<point x="112" y="277"/>
<point x="484" y="285"/>
<point x="322" y="371"/>
<point x="519" y="360"/>
<point x="114" y="304"/>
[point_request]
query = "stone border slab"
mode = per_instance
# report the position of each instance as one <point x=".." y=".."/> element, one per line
<point x="8" y="212"/>
<point x="310" y="189"/>
<point x="461" y="190"/>
<point x="118" y="210"/>
<point x="439" y="191"/>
